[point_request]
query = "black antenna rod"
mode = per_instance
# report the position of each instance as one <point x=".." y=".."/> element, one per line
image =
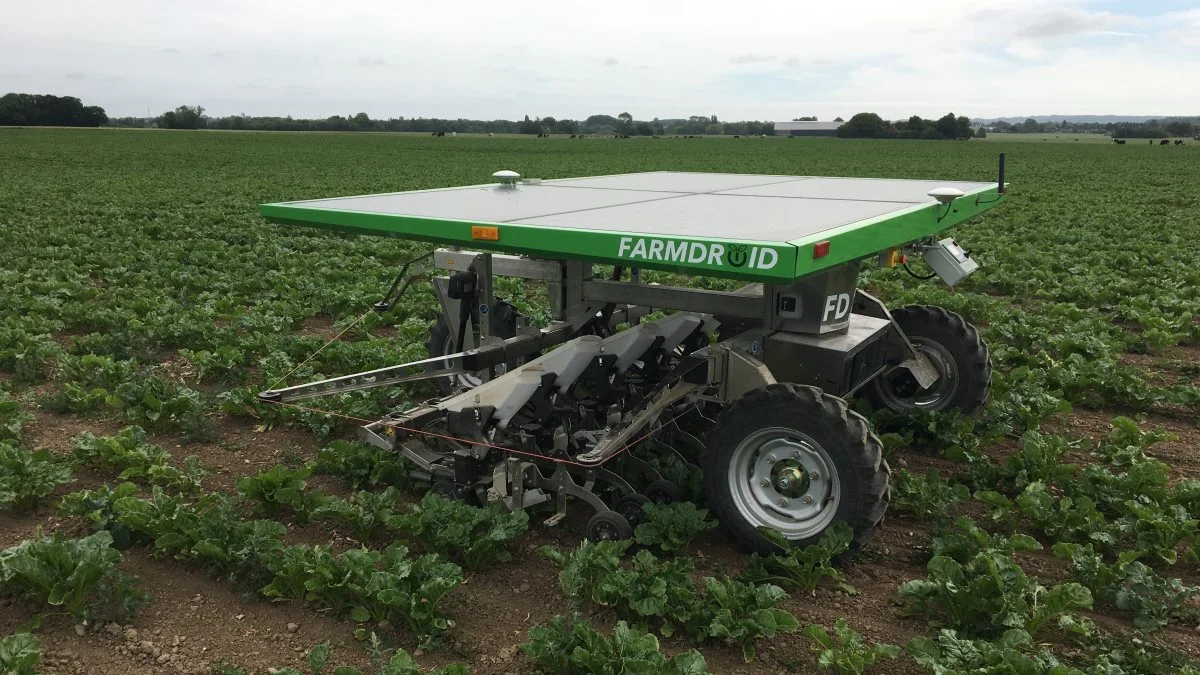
<point x="1001" y="180"/>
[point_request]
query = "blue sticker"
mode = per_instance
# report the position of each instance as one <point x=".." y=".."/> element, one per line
<point x="754" y="347"/>
<point x="483" y="309"/>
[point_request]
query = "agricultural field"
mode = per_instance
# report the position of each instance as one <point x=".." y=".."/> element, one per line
<point x="156" y="518"/>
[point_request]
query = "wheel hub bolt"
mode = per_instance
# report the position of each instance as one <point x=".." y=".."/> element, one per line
<point x="815" y="476"/>
<point x="765" y="483"/>
<point x="783" y="502"/>
<point x="770" y="459"/>
<point x="807" y="499"/>
<point x="784" y="483"/>
<point x="796" y="455"/>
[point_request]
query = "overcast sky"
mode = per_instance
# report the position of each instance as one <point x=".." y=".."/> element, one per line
<point x="764" y="59"/>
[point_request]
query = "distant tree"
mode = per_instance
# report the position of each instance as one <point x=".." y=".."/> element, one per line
<point x="362" y="121"/>
<point x="838" y="119"/>
<point x="962" y="127"/>
<point x="947" y="126"/>
<point x="981" y="132"/>
<point x="1030" y="126"/>
<point x="183" y="117"/>
<point x="863" y="125"/>
<point x="643" y="129"/>
<point x="49" y="110"/>
<point x="565" y="127"/>
<point x="1180" y="128"/>
<point x="813" y="118"/>
<point x="714" y="129"/>
<point x="548" y="124"/>
<point x="528" y="126"/>
<point x="625" y="117"/>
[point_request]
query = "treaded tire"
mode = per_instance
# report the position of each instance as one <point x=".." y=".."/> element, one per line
<point x="503" y="318"/>
<point x="844" y="437"/>
<point x="943" y="335"/>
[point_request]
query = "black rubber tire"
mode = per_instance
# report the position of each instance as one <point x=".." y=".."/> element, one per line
<point x="632" y="506"/>
<point x="503" y="323"/>
<point x="843" y="434"/>
<point x="609" y="526"/>
<point x="960" y="340"/>
<point x="663" y="491"/>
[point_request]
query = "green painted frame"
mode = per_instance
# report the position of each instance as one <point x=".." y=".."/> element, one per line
<point x="852" y="241"/>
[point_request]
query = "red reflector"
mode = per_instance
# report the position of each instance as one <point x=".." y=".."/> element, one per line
<point x="820" y="250"/>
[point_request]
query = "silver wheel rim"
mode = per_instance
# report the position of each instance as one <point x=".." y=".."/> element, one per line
<point x="784" y="480"/>
<point x="934" y="397"/>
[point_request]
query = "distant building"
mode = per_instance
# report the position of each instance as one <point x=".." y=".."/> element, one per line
<point x="807" y="128"/>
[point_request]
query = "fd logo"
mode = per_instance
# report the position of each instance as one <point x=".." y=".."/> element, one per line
<point x="838" y="305"/>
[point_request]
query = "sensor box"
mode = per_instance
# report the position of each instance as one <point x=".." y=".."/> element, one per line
<point x="949" y="261"/>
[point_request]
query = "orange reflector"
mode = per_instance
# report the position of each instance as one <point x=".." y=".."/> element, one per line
<point x="820" y="250"/>
<point x="485" y="232"/>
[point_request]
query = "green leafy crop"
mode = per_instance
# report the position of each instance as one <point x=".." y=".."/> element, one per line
<point x="475" y="536"/>
<point x="926" y="497"/>
<point x="362" y="465"/>
<point x="663" y="592"/>
<point x="989" y="594"/>
<point x="369" y="585"/>
<point x="278" y="488"/>
<point x="845" y="651"/>
<point x="78" y="575"/>
<point x="28" y="476"/>
<point x="20" y="653"/>
<point x="671" y="527"/>
<point x="366" y="513"/>
<point x="12" y="417"/>
<point x="802" y="568"/>
<point x="571" y="647"/>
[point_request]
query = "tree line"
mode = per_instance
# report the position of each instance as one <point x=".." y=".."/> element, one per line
<point x="46" y="110"/>
<point x="193" y="117"/>
<point x="1155" y="128"/>
<point x="871" y="125"/>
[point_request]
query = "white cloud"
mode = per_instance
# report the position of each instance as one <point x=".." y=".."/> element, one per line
<point x="481" y="59"/>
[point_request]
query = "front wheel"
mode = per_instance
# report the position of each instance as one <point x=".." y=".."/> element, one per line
<point x="797" y="460"/>
<point x="956" y="351"/>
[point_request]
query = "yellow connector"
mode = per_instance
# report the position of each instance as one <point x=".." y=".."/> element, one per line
<point x="891" y="258"/>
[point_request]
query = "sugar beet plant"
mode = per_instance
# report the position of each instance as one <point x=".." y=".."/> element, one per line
<point x="844" y="651"/>
<point x="662" y="593"/>
<point x="20" y="654"/>
<point x="369" y="586"/>
<point x="802" y="567"/>
<point x="475" y="536"/>
<point x="568" y="645"/>
<point x="671" y="527"/>
<point x="79" y="576"/>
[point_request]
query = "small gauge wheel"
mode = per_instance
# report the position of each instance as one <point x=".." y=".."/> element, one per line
<point x="663" y="491"/>
<point x="632" y="506"/>
<point x="609" y="526"/>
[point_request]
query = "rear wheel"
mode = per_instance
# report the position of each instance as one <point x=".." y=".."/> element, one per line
<point x="797" y="460"/>
<point x="443" y="335"/>
<point x="954" y="348"/>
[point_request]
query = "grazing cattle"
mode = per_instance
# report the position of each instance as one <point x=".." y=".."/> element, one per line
<point x="736" y="136"/>
<point x="1151" y="142"/>
<point x="1179" y="141"/>
<point x="1164" y="142"/>
<point x="1119" y="141"/>
<point x="574" y="135"/>
<point x="439" y="134"/>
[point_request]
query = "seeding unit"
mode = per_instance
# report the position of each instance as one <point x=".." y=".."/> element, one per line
<point x="626" y="372"/>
